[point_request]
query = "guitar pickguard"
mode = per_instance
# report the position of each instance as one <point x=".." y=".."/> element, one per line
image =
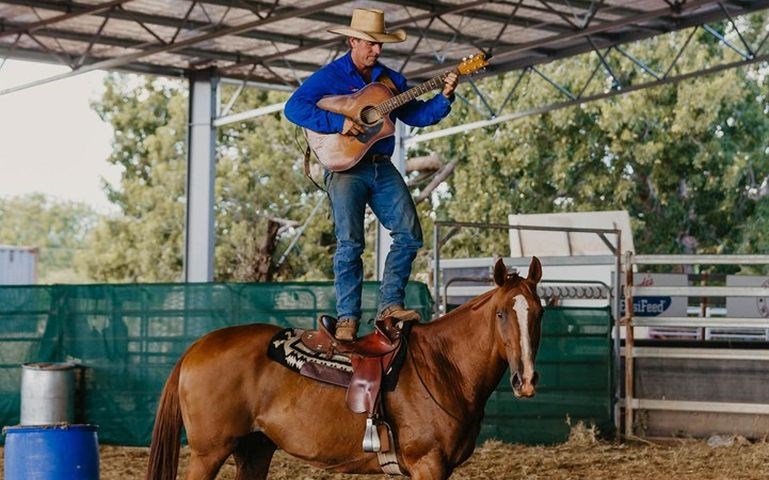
<point x="370" y="132"/>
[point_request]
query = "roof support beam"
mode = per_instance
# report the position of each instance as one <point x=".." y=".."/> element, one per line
<point x="326" y="43"/>
<point x="201" y="172"/>
<point x="519" y="20"/>
<point x="519" y="56"/>
<point x="119" y="61"/>
<point x="91" y="10"/>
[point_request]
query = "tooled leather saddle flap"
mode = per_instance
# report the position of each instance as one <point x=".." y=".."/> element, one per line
<point x="366" y="382"/>
<point x="371" y="357"/>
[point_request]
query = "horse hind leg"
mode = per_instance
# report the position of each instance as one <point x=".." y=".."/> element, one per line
<point x="205" y="465"/>
<point x="253" y="456"/>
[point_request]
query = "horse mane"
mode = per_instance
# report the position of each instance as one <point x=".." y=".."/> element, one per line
<point x="513" y="279"/>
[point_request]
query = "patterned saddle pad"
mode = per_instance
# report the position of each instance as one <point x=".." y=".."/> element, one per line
<point x="286" y="348"/>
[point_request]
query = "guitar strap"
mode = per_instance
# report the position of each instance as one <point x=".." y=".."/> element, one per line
<point x="384" y="79"/>
<point x="307" y="154"/>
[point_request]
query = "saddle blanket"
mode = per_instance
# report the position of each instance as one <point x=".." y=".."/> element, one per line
<point x="287" y="349"/>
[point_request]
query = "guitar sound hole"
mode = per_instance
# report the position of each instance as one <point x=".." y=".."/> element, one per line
<point x="370" y="116"/>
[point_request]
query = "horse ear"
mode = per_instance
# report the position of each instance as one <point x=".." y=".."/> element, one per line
<point x="535" y="270"/>
<point x="500" y="273"/>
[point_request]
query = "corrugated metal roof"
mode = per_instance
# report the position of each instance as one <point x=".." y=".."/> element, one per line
<point x="281" y="42"/>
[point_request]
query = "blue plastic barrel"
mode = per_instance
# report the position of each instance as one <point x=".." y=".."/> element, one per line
<point x="51" y="452"/>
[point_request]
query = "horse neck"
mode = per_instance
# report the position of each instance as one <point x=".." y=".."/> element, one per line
<point x="463" y="346"/>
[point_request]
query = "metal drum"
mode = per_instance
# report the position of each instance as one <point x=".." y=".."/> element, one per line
<point x="47" y="393"/>
<point x="54" y="452"/>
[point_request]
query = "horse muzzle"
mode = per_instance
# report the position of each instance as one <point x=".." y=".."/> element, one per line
<point x="524" y="387"/>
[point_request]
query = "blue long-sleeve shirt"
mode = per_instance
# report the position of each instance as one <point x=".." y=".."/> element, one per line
<point x="340" y="77"/>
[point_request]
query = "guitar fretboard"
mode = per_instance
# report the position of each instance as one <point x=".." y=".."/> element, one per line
<point x="398" y="100"/>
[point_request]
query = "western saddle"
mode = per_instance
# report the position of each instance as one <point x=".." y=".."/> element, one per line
<point x="372" y="356"/>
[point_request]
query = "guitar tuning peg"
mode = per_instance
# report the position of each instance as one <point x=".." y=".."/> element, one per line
<point x="464" y="59"/>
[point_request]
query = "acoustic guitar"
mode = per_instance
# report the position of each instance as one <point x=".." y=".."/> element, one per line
<point x="370" y="107"/>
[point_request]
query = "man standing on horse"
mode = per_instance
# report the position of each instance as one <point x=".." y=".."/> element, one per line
<point x="374" y="180"/>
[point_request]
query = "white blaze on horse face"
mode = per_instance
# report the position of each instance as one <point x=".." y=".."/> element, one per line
<point x="521" y="307"/>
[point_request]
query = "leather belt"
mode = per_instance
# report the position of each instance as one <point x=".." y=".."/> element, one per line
<point x="375" y="158"/>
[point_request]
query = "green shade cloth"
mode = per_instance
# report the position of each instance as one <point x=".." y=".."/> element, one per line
<point x="127" y="338"/>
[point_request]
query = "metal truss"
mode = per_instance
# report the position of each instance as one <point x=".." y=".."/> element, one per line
<point x="606" y="60"/>
<point x="606" y="68"/>
<point x="203" y="34"/>
<point x="209" y="32"/>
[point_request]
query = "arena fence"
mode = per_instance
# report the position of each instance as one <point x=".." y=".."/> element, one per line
<point x="126" y="339"/>
<point x="700" y="387"/>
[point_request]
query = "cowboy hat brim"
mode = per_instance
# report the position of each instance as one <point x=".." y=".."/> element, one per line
<point x="396" y="36"/>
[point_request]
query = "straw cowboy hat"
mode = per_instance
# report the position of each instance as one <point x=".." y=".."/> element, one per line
<point x="368" y="24"/>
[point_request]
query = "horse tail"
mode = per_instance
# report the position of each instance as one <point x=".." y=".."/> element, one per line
<point x="166" y="435"/>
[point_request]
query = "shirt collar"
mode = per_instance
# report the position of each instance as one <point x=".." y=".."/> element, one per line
<point x="349" y="66"/>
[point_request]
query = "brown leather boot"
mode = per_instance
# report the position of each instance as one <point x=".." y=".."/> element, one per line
<point x="400" y="313"/>
<point x="346" y="329"/>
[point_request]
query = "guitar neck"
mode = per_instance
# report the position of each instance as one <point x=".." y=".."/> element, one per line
<point x="410" y="94"/>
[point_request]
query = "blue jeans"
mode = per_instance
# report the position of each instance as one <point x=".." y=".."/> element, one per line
<point x="381" y="186"/>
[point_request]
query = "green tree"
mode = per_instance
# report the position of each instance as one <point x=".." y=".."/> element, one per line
<point x="144" y="241"/>
<point x="680" y="158"/>
<point x="57" y="228"/>
<point x="677" y="157"/>
<point x="259" y="177"/>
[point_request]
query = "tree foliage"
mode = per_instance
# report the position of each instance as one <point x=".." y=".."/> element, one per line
<point x="57" y="228"/>
<point x="258" y="177"/>
<point x="679" y="157"/>
<point x="144" y="241"/>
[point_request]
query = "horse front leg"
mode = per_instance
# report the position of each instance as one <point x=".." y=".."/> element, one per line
<point x="432" y="466"/>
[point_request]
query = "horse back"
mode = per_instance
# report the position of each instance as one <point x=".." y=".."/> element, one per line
<point x="233" y="341"/>
<point x="218" y="373"/>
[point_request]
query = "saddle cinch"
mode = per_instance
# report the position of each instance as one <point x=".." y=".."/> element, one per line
<point x="373" y="357"/>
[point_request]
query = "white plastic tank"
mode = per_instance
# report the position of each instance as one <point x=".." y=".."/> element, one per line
<point x="18" y="265"/>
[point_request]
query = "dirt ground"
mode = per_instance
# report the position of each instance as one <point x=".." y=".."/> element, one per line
<point x="581" y="458"/>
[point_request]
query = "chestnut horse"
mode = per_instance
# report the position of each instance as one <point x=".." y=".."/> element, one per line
<point x="232" y="399"/>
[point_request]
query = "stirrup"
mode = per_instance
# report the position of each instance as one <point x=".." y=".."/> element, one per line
<point x="371" y="441"/>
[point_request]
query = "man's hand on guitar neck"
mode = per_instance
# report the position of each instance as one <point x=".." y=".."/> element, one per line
<point x="352" y="128"/>
<point x="449" y="84"/>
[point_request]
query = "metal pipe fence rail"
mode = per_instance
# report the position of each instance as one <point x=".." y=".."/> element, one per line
<point x="631" y="352"/>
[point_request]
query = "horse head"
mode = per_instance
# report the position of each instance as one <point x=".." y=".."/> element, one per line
<point x="518" y="313"/>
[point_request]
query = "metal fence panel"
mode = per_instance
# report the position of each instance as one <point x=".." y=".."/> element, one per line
<point x="576" y="381"/>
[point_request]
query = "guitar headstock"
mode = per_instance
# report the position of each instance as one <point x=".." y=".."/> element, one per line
<point x="472" y="64"/>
